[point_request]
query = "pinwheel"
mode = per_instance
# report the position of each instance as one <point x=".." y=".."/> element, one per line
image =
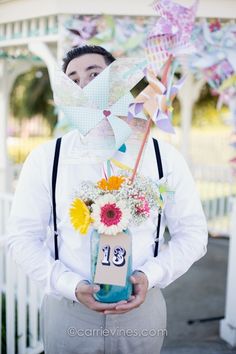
<point x="171" y="34"/>
<point x="156" y="100"/>
<point x="106" y="97"/>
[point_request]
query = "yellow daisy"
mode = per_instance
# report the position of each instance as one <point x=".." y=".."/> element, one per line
<point x="80" y="216"/>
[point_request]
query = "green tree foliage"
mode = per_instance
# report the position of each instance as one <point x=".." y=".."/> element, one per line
<point x="31" y="95"/>
<point x="204" y="110"/>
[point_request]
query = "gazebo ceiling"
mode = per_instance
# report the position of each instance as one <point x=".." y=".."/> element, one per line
<point x="16" y="10"/>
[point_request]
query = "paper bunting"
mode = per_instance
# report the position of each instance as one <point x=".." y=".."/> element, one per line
<point x="216" y="52"/>
<point x="119" y="35"/>
<point x="171" y="35"/>
<point x="86" y="28"/>
<point x="103" y="98"/>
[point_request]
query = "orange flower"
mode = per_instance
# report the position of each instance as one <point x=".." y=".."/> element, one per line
<point x="113" y="183"/>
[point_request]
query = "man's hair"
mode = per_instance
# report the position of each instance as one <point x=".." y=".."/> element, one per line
<point x="86" y="49"/>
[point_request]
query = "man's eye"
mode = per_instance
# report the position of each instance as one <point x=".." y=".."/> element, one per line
<point x="76" y="81"/>
<point x="92" y="75"/>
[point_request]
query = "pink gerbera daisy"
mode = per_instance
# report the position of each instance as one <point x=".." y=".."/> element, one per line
<point x="110" y="216"/>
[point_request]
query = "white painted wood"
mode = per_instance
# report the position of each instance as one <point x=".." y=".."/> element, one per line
<point x="188" y="95"/>
<point x="42" y="26"/>
<point x="17" y="29"/>
<point x="52" y="38"/>
<point x="23" y="9"/>
<point x="4" y="99"/>
<point x="52" y="23"/>
<point x="1" y="288"/>
<point x="33" y="314"/>
<point x="43" y="51"/>
<point x="228" y="324"/>
<point x="33" y="27"/>
<point x="37" y="350"/>
<point x="10" y="305"/>
<point x="21" y="311"/>
<point x="2" y="31"/>
<point x="25" y="28"/>
<point x="9" y="28"/>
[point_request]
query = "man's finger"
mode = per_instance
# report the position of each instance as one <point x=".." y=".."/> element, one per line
<point x="123" y="308"/>
<point x="121" y="302"/>
<point x="130" y="305"/>
<point x="89" y="289"/>
<point x="132" y="297"/>
<point x="100" y="306"/>
<point x="114" y="312"/>
<point x="137" y="279"/>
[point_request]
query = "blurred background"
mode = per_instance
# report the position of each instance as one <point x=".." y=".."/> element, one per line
<point x="34" y="36"/>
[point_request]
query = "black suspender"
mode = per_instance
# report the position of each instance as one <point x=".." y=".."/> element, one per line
<point x="160" y="171"/>
<point x="54" y="179"/>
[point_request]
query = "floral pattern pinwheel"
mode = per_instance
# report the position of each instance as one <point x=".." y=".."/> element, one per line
<point x="171" y="34"/>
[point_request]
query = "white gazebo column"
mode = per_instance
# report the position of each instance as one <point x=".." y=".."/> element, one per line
<point x="43" y="52"/>
<point x="61" y="46"/>
<point x="188" y="95"/>
<point x="61" y="49"/>
<point x="4" y="107"/>
<point x="228" y="324"/>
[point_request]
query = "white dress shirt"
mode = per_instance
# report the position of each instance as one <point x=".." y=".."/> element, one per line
<point x="30" y="231"/>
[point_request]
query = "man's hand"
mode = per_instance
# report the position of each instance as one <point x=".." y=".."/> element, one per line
<point x="140" y="282"/>
<point x="84" y="293"/>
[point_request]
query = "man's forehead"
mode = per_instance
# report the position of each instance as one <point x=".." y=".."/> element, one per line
<point x="87" y="62"/>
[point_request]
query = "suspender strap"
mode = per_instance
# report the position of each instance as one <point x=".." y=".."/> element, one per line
<point x="54" y="180"/>
<point x="160" y="171"/>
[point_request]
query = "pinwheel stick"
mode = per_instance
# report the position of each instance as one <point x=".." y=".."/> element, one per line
<point x="148" y="128"/>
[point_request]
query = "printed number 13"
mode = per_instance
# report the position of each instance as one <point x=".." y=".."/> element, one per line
<point x="118" y="258"/>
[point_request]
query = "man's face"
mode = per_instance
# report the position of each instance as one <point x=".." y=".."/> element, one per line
<point x="85" y="68"/>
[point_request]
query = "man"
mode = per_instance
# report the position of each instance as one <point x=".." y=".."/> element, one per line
<point x="72" y="320"/>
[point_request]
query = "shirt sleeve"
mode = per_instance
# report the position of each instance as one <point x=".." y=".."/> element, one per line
<point x="27" y="230"/>
<point x="187" y="226"/>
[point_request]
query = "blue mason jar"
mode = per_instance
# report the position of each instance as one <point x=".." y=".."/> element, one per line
<point x="110" y="293"/>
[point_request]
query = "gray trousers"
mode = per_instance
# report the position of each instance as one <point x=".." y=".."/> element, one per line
<point x="69" y="327"/>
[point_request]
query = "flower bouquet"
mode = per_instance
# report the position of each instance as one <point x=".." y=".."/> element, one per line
<point x="110" y="206"/>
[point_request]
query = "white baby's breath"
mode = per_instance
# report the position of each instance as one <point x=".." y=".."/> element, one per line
<point x="135" y="200"/>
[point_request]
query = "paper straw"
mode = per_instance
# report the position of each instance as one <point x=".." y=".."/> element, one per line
<point x="148" y="129"/>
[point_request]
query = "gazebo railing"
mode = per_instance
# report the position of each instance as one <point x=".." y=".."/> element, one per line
<point x="19" y="301"/>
